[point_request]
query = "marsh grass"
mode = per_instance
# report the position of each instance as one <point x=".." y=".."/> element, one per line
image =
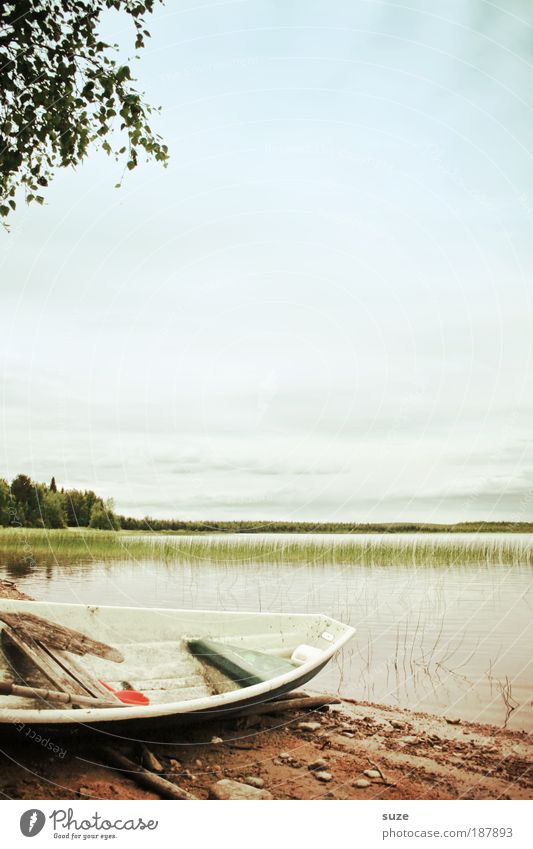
<point x="27" y="545"/>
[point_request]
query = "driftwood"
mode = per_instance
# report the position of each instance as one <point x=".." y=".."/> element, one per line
<point x="40" y="659"/>
<point x="8" y="589"/>
<point x="384" y="778"/>
<point x="58" y="636"/>
<point x="165" y="789"/>
<point x="350" y="701"/>
<point x="61" y="671"/>
<point x="282" y="705"/>
<point x="77" y="688"/>
<point x="9" y="688"/>
<point x="149" y="760"/>
<point x="295" y="694"/>
<point x="80" y="675"/>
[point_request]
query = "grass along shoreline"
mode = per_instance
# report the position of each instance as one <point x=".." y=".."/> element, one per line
<point x="27" y="545"/>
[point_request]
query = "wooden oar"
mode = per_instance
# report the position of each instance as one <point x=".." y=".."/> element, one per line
<point x="59" y="637"/>
<point x="9" y="688"/>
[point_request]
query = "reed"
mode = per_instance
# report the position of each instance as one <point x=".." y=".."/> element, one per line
<point x="25" y="545"/>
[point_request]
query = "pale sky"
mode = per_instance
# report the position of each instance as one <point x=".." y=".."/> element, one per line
<point x="323" y="308"/>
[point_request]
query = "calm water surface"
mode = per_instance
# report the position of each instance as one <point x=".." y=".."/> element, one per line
<point x="445" y="640"/>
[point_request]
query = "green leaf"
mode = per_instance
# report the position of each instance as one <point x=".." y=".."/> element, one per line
<point x="63" y="85"/>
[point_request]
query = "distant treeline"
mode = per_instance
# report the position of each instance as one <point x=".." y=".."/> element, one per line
<point x="173" y="525"/>
<point x="25" y="503"/>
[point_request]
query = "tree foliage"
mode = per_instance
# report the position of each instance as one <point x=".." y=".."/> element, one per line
<point x="36" y="505"/>
<point x="103" y="518"/>
<point x="53" y="513"/>
<point x="63" y="89"/>
<point x="4" y="503"/>
<point x="129" y="523"/>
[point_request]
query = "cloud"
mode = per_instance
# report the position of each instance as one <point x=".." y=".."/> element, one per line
<point x="304" y="314"/>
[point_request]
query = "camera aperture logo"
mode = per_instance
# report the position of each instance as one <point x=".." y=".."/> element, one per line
<point x="32" y="822"/>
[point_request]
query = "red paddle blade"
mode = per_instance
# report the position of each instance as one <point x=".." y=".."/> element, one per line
<point x="129" y="697"/>
<point x="132" y="697"/>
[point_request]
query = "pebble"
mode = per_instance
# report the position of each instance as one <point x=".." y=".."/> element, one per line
<point x="254" y="781"/>
<point x="174" y="765"/>
<point x="361" y="782"/>
<point x="397" y="724"/>
<point x="371" y="773"/>
<point x="228" y="789"/>
<point x="216" y="740"/>
<point x="150" y="761"/>
<point x="284" y="756"/>
<point x="409" y="738"/>
<point x="321" y="763"/>
<point x="309" y="726"/>
<point x="323" y="775"/>
<point x="198" y="763"/>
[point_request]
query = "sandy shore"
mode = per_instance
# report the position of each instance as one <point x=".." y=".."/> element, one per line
<point x="324" y="753"/>
<point x="419" y="757"/>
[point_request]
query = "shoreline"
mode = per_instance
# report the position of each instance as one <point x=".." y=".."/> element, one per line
<point x="343" y="752"/>
<point x="351" y="750"/>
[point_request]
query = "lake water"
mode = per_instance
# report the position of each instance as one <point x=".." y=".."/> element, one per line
<point x="453" y="640"/>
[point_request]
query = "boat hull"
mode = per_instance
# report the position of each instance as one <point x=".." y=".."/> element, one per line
<point x="161" y="729"/>
<point x="277" y="634"/>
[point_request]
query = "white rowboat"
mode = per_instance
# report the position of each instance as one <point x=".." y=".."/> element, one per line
<point x="184" y="661"/>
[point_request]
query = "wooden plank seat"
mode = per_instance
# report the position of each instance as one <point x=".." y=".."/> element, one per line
<point x="163" y="670"/>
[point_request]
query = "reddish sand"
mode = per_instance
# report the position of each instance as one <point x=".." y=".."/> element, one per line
<point x="419" y="757"/>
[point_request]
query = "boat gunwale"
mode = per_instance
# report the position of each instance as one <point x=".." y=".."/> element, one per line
<point x="81" y="716"/>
